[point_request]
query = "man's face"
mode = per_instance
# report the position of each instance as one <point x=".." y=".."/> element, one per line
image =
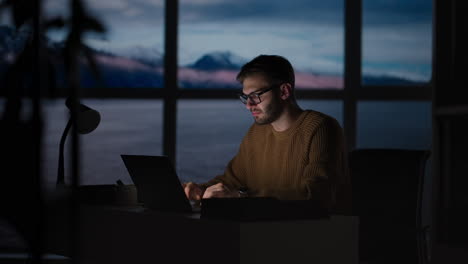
<point x="270" y="107"/>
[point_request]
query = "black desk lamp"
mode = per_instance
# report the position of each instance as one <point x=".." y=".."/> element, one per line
<point x="88" y="120"/>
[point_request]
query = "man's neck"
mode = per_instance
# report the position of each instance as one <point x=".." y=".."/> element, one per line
<point x="287" y="118"/>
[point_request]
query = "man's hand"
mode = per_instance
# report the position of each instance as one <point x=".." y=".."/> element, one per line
<point x="193" y="191"/>
<point x="219" y="191"/>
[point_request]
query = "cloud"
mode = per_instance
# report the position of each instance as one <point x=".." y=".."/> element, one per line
<point x="201" y="2"/>
<point x="103" y="8"/>
<point x="316" y="11"/>
<point x="396" y="12"/>
<point x="115" y="13"/>
<point x="398" y="43"/>
<point x="114" y="5"/>
<point x="261" y="10"/>
<point x="132" y="12"/>
<point x="154" y="3"/>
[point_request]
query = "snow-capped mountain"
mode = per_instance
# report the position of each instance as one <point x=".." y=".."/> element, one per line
<point x="219" y="60"/>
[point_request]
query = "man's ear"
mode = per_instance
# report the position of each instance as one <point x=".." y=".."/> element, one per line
<point x="285" y="91"/>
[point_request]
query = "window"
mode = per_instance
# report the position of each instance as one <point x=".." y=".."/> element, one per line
<point x="397" y="42"/>
<point x="129" y="54"/>
<point x="218" y="37"/>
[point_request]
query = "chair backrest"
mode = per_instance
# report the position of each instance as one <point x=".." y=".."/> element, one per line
<point x="387" y="196"/>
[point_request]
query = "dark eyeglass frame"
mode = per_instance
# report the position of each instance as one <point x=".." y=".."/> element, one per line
<point x="246" y="97"/>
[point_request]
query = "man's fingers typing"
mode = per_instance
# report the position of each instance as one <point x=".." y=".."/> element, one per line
<point x="218" y="190"/>
<point x="192" y="190"/>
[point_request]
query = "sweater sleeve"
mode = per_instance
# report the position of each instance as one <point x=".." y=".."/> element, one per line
<point x="230" y="176"/>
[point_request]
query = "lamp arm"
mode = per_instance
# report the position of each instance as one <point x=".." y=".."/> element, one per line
<point x="60" y="173"/>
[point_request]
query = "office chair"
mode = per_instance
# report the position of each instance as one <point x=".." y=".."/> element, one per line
<point x="387" y="196"/>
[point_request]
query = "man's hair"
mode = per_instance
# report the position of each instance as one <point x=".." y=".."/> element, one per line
<point x="276" y="69"/>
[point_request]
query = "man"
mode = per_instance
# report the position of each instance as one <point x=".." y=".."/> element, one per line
<point x="288" y="153"/>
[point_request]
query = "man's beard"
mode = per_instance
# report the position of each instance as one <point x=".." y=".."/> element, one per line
<point x="271" y="112"/>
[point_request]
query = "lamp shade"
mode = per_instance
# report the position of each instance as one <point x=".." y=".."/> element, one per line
<point x="88" y="119"/>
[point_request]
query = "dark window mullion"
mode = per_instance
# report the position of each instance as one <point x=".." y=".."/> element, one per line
<point x="353" y="60"/>
<point x="170" y="80"/>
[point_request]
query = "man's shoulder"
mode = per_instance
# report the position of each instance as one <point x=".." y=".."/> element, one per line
<point x="323" y="125"/>
<point x="316" y="119"/>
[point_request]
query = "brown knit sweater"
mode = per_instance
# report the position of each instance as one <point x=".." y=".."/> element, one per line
<point x="307" y="161"/>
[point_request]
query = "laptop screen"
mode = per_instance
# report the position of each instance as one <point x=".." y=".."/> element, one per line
<point x="157" y="184"/>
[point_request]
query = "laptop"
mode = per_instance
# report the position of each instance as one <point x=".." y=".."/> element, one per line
<point x="158" y="186"/>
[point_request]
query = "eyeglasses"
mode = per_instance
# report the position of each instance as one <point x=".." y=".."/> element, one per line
<point x="254" y="98"/>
